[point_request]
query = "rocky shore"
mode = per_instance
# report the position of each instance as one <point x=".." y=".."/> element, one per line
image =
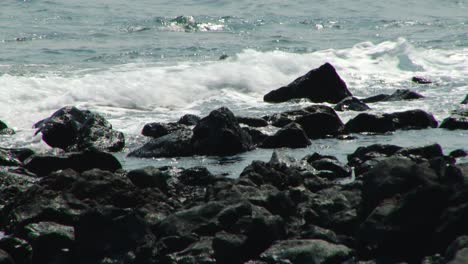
<point x="385" y="204"/>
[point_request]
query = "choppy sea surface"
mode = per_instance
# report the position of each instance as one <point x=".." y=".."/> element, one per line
<point x="151" y="60"/>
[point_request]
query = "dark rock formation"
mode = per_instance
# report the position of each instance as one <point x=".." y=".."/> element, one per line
<point x="328" y="166"/>
<point x="149" y="177"/>
<point x="177" y="144"/>
<point x="74" y="130"/>
<point x="156" y="130"/>
<point x="465" y="101"/>
<point x="4" y="130"/>
<point x="351" y="103"/>
<point x="320" y="125"/>
<point x="455" y="122"/>
<point x="257" y="136"/>
<point x="220" y="134"/>
<point x="398" y="95"/>
<point x="189" y="120"/>
<point x="42" y="165"/>
<point x="14" y="157"/>
<point x="411" y="119"/>
<point x="252" y="121"/>
<point x="319" y="85"/>
<point x="290" y="136"/>
<point x="420" y="80"/>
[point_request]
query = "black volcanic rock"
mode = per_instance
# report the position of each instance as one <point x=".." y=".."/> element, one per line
<point x="455" y="122"/>
<point x="220" y="134"/>
<point x="411" y="119"/>
<point x="398" y="95"/>
<point x="189" y="120"/>
<point x="43" y="165"/>
<point x="176" y="144"/>
<point x="320" y="125"/>
<point x="14" y="157"/>
<point x="420" y="80"/>
<point x="4" y="130"/>
<point x="156" y="129"/>
<point x="351" y="103"/>
<point x="290" y="136"/>
<point x="252" y="121"/>
<point x="74" y="130"/>
<point x="257" y="136"/>
<point x="319" y="85"/>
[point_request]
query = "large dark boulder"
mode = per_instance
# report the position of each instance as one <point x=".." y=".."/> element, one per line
<point x="220" y="134"/>
<point x="319" y="85"/>
<point x="43" y="165"/>
<point x="74" y="130"/>
<point x="455" y="122"/>
<point x="398" y="95"/>
<point x="149" y="177"/>
<point x="370" y="123"/>
<point x="189" y="120"/>
<point x="257" y="136"/>
<point x="320" y="125"/>
<point x="411" y="119"/>
<point x="252" y="121"/>
<point x="156" y="130"/>
<point x="290" y="136"/>
<point x="351" y="103"/>
<point x="176" y="144"/>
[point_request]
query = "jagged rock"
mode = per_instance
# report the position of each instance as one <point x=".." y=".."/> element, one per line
<point x="176" y="144"/>
<point x="220" y="134"/>
<point x="319" y="85"/>
<point x="420" y="80"/>
<point x="189" y="120"/>
<point x="398" y="95"/>
<point x="72" y="129"/>
<point x="290" y="136"/>
<point x="252" y="121"/>
<point x="351" y="103"/>
<point x="43" y="165"/>
<point x="156" y="130"/>
<point x="455" y="122"/>
<point x="306" y="251"/>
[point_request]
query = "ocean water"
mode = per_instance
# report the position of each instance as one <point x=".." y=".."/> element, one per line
<point x="145" y="61"/>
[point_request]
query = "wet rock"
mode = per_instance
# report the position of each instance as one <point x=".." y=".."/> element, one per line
<point x="257" y="136"/>
<point x="290" y="136"/>
<point x="337" y="169"/>
<point x="455" y="122"/>
<point x="229" y="248"/>
<point x="319" y="85"/>
<point x="370" y="123"/>
<point x="14" y="157"/>
<point x="420" y="80"/>
<point x="156" y="130"/>
<point x="320" y="125"/>
<point x="465" y="101"/>
<point x="19" y="250"/>
<point x="198" y="252"/>
<point x="189" y="120"/>
<point x="220" y="134"/>
<point x="72" y="129"/>
<point x="176" y="144"/>
<point x="306" y="251"/>
<point x="252" y="121"/>
<point x="421" y="153"/>
<point x="5" y="130"/>
<point x="398" y="95"/>
<point x="43" y="165"/>
<point x="411" y="119"/>
<point x="458" y="153"/>
<point x="149" y="177"/>
<point x="352" y="104"/>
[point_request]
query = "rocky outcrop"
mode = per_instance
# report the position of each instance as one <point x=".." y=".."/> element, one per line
<point x="412" y="119"/>
<point x="156" y="130"/>
<point x="71" y="129"/>
<point x="420" y="80"/>
<point x="319" y="85"/>
<point x="290" y="136"/>
<point x="176" y="144"/>
<point x="5" y="130"/>
<point x="455" y="122"/>
<point x="252" y="121"/>
<point x="220" y="134"/>
<point x="189" y="120"/>
<point x="398" y="95"/>
<point x="351" y="104"/>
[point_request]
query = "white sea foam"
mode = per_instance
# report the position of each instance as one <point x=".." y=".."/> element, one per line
<point x="133" y="94"/>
